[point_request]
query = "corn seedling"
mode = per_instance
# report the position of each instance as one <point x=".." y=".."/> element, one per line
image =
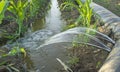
<point x="3" y="7"/>
<point x="84" y="9"/>
<point x="18" y="9"/>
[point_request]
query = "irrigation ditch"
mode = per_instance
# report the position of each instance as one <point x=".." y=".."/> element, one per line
<point x="44" y="49"/>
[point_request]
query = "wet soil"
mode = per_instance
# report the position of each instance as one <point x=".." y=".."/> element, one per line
<point x="90" y="58"/>
<point x="15" y="63"/>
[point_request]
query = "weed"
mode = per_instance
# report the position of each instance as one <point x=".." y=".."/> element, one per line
<point x="98" y="64"/>
<point x="74" y="60"/>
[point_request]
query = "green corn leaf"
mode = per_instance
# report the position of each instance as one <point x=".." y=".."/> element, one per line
<point x="19" y="4"/>
<point x="3" y="7"/>
<point x="79" y="2"/>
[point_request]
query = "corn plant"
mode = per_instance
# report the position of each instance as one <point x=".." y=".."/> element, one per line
<point x="3" y="7"/>
<point x="84" y="9"/>
<point x="18" y="9"/>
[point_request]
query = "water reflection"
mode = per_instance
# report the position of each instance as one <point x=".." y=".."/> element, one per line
<point x="39" y="24"/>
<point x="53" y="18"/>
<point x="51" y="21"/>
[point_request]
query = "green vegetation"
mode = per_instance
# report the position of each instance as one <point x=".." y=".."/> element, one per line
<point x="74" y="60"/>
<point x="85" y="18"/>
<point x="84" y="9"/>
<point x="18" y="9"/>
<point x="16" y="51"/>
<point x="98" y="64"/>
<point x="20" y="12"/>
<point x="3" y="7"/>
<point x="35" y="6"/>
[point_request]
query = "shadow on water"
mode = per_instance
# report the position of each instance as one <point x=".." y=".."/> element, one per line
<point x="39" y="24"/>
